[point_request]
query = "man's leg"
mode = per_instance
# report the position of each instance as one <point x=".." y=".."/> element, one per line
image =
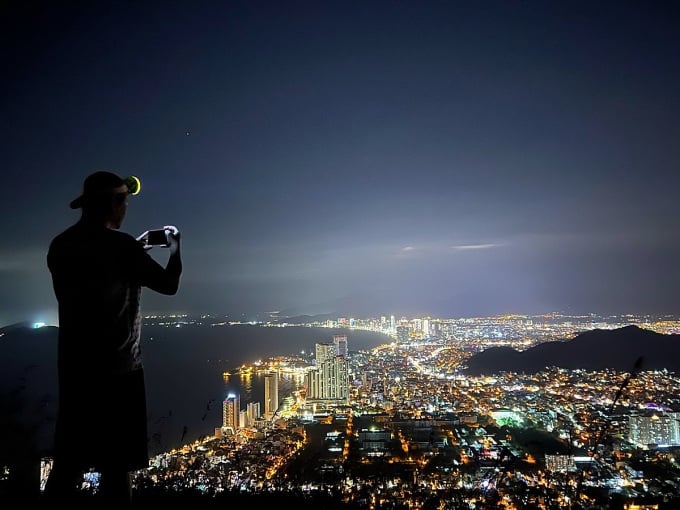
<point x="63" y="483"/>
<point x="115" y="487"/>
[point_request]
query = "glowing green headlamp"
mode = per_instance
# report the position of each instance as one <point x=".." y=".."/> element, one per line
<point x="133" y="183"/>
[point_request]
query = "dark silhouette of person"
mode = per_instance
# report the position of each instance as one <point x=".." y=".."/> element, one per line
<point x="98" y="273"/>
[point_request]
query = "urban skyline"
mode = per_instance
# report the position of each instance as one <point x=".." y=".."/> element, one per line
<point x="448" y="437"/>
<point x="623" y="453"/>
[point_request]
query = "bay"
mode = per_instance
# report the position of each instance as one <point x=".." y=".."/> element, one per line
<point x="184" y="369"/>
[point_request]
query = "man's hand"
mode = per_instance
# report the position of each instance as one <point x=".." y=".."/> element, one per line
<point x="143" y="238"/>
<point x="173" y="238"/>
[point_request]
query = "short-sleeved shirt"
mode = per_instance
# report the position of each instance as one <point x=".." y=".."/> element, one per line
<point x="98" y="274"/>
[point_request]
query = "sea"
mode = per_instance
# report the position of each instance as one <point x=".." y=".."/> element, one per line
<point x="185" y="369"/>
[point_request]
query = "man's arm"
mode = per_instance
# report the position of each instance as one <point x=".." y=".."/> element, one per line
<point x="165" y="280"/>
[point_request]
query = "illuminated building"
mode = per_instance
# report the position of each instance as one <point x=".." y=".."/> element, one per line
<point x="402" y="334"/>
<point x="271" y="394"/>
<point x="329" y="380"/>
<point x="230" y="413"/>
<point x="252" y="412"/>
<point x="560" y="463"/>
<point x="660" y="429"/>
<point x="340" y="342"/>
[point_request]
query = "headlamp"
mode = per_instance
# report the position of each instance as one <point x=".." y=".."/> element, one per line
<point x="133" y="183"/>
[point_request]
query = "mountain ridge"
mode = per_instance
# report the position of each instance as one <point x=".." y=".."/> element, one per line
<point x="597" y="349"/>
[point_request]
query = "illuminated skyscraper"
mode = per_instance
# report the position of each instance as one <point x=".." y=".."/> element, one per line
<point x="324" y="351"/>
<point x="252" y="413"/>
<point x="340" y="342"/>
<point x="271" y="394"/>
<point x="230" y="413"/>
<point x="329" y="380"/>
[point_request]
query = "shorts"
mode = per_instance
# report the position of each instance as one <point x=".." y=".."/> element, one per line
<point x="102" y="421"/>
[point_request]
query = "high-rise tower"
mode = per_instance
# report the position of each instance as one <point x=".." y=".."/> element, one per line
<point x="324" y="351"/>
<point x="230" y="413"/>
<point x="271" y="394"/>
<point x="340" y="342"/>
<point x="329" y="380"/>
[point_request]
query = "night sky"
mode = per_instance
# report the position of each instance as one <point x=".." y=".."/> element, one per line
<point x="451" y="159"/>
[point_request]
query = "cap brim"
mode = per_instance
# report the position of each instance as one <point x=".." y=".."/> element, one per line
<point x="77" y="203"/>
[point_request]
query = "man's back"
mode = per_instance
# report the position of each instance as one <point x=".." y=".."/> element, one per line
<point x="97" y="280"/>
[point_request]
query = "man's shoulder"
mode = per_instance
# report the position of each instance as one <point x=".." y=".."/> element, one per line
<point x="122" y="242"/>
<point x="122" y="237"/>
<point x="79" y="235"/>
<point x="65" y="236"/>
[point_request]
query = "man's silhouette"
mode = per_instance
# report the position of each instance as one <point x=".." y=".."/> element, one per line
<point x="98" y="273"/>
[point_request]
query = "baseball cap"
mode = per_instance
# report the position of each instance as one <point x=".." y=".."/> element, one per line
<point x="99" y="184"/>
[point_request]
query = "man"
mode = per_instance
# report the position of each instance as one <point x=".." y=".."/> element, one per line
<point x="97" y="274"/>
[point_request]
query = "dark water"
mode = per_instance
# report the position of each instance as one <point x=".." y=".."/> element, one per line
<point x="184" y="374"/>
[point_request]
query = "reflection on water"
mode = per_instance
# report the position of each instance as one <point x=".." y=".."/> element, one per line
<point x="249" y="386"/>
<point x="246" y="390"/>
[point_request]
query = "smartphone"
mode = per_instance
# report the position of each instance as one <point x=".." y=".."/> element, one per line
<point x="157" y="238"/>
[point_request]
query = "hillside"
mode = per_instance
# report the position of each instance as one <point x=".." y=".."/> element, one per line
<point x="616" y="349"/>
